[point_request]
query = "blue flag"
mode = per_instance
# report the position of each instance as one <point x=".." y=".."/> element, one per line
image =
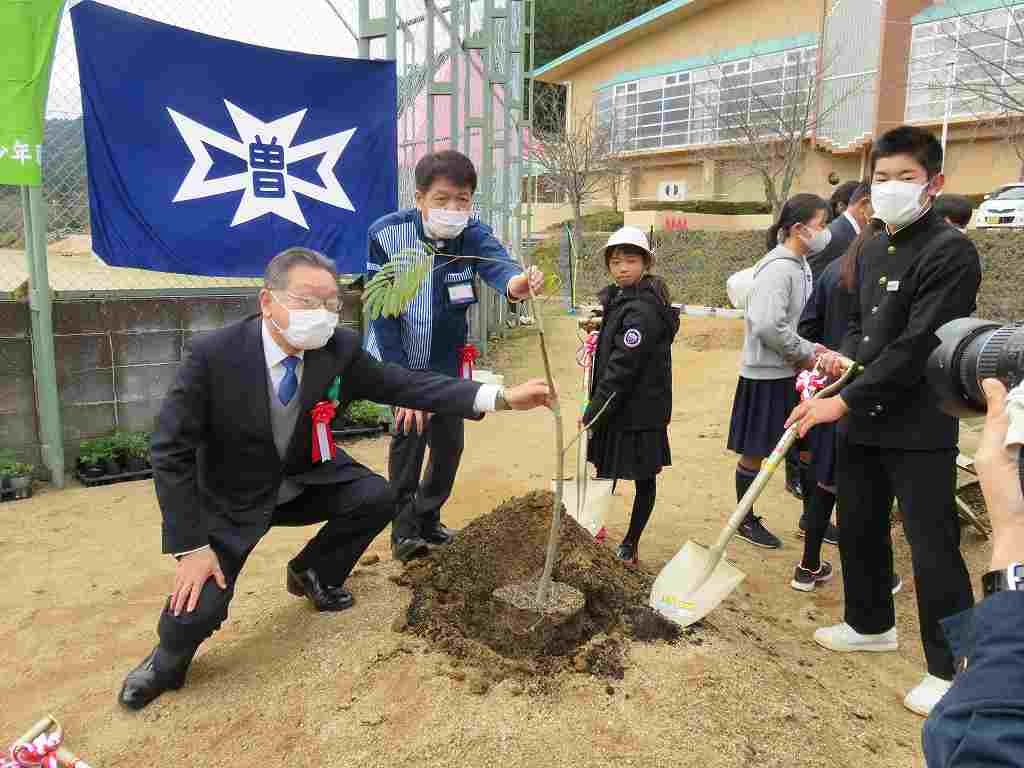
<point x="208" y="156"/>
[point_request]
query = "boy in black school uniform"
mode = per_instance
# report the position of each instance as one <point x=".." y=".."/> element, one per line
<point x="915" y="275"/>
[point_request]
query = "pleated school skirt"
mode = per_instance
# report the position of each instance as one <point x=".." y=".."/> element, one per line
<point x="629" y="455"/>
<point x="759" y="412"/>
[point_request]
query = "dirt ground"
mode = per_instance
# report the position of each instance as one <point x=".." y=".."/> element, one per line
<point x="82" y="582"/>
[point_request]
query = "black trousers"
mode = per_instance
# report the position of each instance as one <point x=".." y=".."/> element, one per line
<point x="419" y="503"/>
<point x="355" y="513"/>
<point x="923" y="482"/>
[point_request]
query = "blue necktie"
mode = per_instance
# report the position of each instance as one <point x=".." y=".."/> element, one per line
<point x="290" y="382"/>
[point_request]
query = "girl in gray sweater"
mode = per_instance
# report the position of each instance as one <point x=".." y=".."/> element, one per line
<point x="773" y="352"/>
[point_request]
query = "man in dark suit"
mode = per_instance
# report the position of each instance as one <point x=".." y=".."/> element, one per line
<point x="233" y="456"/>
<point x="844" y="229"/>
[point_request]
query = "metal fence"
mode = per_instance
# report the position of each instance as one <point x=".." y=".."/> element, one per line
<point x="461" y="74"/>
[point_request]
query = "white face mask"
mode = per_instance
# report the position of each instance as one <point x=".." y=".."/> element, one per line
<point x="442" y="224"/>
<point x="819" y="242"/>
<point x="308" y="328"/>
<point x="897" y="202"/>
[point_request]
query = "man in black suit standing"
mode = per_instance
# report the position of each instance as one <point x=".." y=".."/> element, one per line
<point x="233" y="455"/>
<point x="844" y="229"/>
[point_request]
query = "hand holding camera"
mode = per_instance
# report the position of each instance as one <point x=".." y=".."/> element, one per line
<point x="1000" y="482"/>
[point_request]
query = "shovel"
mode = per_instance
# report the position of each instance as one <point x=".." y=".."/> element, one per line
<point x="587" y="501"/>
<point x="697" y="579"/>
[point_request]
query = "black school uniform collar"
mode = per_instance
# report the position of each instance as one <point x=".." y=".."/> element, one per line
<point x="925" y="220"/>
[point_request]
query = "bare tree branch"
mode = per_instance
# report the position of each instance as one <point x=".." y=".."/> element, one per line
<point x="987" y="62"/>
<point x="769" y="134"/>
<point x="572" y="153"/>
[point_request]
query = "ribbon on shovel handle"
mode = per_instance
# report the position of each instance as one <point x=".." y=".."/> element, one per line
<point x="324" y="448"/>
<point x="467" y="356"/>
<point x="43" y="748"/>
<point x="809" y="382"/>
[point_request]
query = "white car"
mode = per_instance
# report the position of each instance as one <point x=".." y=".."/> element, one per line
<point x="1003" y="208"/>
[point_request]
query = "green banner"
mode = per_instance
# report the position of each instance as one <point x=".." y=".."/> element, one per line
<point x="28" y="30"/>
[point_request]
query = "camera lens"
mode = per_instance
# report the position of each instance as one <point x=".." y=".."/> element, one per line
<point x="970" y="351"/>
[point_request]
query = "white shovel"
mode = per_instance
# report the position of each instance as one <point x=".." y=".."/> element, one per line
<point x="697" y="579"/>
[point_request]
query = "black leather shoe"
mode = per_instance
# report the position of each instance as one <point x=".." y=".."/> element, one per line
<point x="324" y="598"/>
<point x="160" y="671"/>
<point x="438" y="535"/>
<point x="405" y="550"/>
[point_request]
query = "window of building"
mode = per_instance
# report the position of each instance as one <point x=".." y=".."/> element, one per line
<point x="974" y="63"/>
<point x="708" y="105"/>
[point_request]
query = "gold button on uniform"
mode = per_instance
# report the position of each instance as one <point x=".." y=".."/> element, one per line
<point x="874" y="310"/>
<point x="892" y="249"/>
<point x="867" y="339"/>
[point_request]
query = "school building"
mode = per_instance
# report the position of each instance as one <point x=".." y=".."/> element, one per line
<point x="682" y="85"/>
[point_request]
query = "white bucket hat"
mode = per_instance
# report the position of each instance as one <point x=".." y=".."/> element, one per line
<point x="628" y="236"/>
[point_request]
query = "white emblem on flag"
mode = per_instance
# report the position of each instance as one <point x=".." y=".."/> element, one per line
<point x="632" y="338"/>
<point x="267" y="149"/>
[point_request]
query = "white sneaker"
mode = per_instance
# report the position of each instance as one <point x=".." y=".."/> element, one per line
<point x="845" y="639"/>
<point x="927" y="694"/>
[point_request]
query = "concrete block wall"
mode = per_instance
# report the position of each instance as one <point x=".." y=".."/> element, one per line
<point x="19" y="428"/>
<point x="115" y="359"/>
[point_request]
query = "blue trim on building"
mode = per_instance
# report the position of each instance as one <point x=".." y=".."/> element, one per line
<point x="652" y="15"/>
<point x="954" y="8"/>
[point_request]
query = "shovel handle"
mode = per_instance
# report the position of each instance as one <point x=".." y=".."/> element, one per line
<point x="768" y="468"/>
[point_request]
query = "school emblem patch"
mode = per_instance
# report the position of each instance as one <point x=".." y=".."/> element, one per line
<point x="632" y="338"/>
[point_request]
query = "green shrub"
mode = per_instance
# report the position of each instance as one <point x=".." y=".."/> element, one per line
<point x="8" y="460"/>
<point x="21" y="469"/>
<point x="365" y="412"/>
<point x="696" y="264"/>
<point x="719" y="207"/>
<point x="96" y="451"/>
<point x="598" y="221"/>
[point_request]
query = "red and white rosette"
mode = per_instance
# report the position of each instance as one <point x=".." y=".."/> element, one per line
<point x="324" y="448"/>
<point x="467" y="356"/>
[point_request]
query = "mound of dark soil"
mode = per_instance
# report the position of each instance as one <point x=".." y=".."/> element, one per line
<point x="453" y="604"/>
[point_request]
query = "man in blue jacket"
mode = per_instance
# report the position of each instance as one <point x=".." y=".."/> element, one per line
<point x="430" y="335"/>
<point x="980" y="720"/>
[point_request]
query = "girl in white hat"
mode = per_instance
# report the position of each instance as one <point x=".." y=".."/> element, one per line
<point x="632" y="378"/>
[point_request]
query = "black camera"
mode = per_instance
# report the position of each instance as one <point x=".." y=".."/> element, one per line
<point x="969" y="352"/>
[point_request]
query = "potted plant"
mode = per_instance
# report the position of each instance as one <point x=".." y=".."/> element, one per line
<point x="21" y="479"/>
<point x="91" y="460"/>
<point x="136" y="446"/>
<point x="7" y="462"/>
<point x="108" y="454"/>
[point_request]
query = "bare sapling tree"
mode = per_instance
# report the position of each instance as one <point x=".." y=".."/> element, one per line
<point x="977" y="71"/>
<point x="390" y="292"/>
<point x="571" y="151"/>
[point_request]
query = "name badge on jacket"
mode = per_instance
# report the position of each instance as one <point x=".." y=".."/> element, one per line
<point x="461" y="294"/>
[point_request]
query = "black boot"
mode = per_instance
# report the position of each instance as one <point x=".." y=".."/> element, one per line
<point x="160" y="671"/>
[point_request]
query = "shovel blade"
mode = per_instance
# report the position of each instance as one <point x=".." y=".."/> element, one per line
<point x="596" y="504"/>
<point x="685" y="592"/>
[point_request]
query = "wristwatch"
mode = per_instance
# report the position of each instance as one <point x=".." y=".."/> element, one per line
<point x="1010" y="579"/>
<point x="500" y="403"/>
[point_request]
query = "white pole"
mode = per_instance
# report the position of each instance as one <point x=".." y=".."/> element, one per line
<point x="945" y="118"/>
